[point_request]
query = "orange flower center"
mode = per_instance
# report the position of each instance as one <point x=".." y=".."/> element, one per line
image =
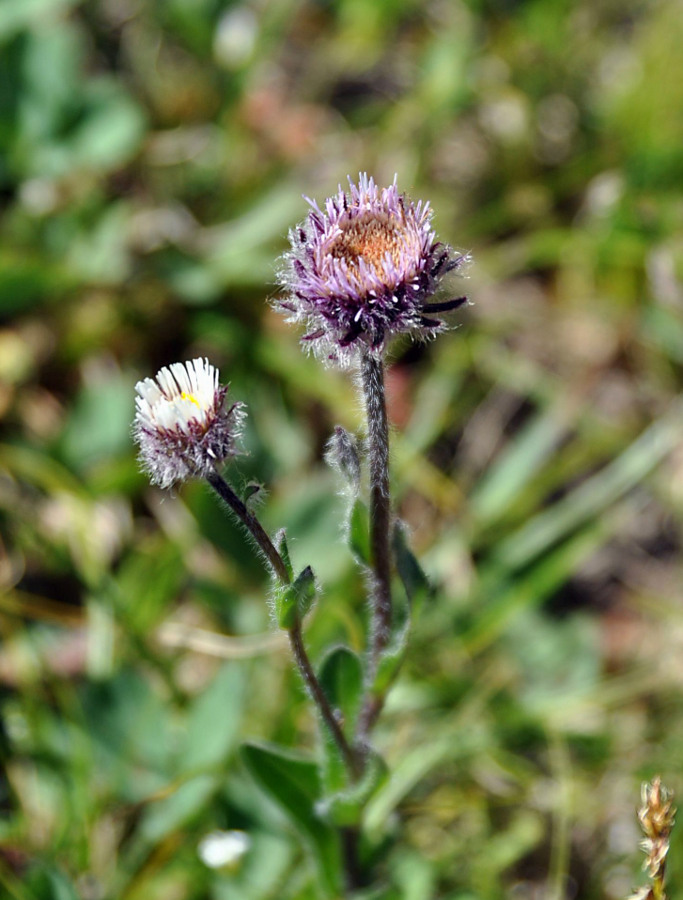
<point x="369" y="238"/>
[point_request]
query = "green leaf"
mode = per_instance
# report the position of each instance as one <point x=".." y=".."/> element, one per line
<point x="210" y="733"/>
<point x="283" y="549"/>
<point x="510" y="595"/>
<point x="251" y="491"/>
<point x="99" y="424"/>
<point x="391" y="661"/>
<point x="49" y="883"/>
<point x="345" y="808"/>
<point x="147" y="582"/>
<point x="239" y="250"/>
<point x="292" y="781"/>
<point x="293" y="601"/>
<point x="175" y="810"/>
<point x="417" y="589"/>
<point x="516" y="465"/>
<point x="214" y="720"/>
<point x="16" y="15"/>
<point x="25" y="282"/>
<point x="294" y="784"/>
<point x="112" y="127"/>
<point x="414" y="580"/>
<point x="305" y="588"/>
<point x="359" y="532"/>
<point x="286" y="611"/>
<point x="341" y="677"/>
<point x="130" y="725"/>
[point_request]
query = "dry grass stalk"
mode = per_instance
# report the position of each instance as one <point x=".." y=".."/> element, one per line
<point x="656" y="816"/>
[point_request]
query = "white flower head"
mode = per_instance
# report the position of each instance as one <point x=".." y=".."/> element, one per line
<point x="182" y="425"/>
<point x="223" y="848"/>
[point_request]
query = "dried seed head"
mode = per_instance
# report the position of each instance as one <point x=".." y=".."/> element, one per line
<point x="182" y="426"/>
<point x="363" y="270"/>
<point x="657" y="817"/>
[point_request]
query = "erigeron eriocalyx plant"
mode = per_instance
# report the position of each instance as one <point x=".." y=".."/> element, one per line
<point x="364" y="268"/>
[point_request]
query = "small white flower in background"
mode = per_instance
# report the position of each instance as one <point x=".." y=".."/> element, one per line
<point x="223" y="848"/>
<point x="182" y="425"/>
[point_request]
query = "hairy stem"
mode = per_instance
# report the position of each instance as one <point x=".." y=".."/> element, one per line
<point x="372" y="380"/>
<point x="318" y="695"/>
<point x="252" y="524"/>
<point x="277" y="564"/>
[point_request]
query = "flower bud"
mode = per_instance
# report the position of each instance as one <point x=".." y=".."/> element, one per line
<point x="343" y="454"/>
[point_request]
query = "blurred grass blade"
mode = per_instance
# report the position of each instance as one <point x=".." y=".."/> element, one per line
<point x="172" y="812"/>
<point x="595" y="495"/>
<point x="450" y="744"/>
<point x="16" y="15"/>
<point x="546" y="577"/>
<point x="516" y="466"/>
<point x="214" y="720"/>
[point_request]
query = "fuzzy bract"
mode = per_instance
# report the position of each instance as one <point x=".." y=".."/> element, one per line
<point x="363" y="269"/>
<point x="182" y="425"/>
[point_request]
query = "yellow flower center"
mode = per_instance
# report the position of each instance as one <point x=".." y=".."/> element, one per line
<point x="191" y="398"/>
<point x="369" y="238"/>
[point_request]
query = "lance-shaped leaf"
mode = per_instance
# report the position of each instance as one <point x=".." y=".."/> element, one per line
<point x="293" y="783"/>
<point x="341" y="677"/>
<point x="283" y="549"/>
<point x="345" y="807"/>
<point x="293" y="601"/>
<point x="359" y="532"/>
<point x="414" y="580"/>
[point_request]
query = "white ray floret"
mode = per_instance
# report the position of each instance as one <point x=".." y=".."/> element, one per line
<point x="181" y="394"/>
<point x="182" y="425"/>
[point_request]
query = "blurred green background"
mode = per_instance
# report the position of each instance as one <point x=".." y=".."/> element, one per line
<point x="152" y="157"/>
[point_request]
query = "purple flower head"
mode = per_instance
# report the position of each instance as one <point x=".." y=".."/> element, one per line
<point x="182" y="425"/>
<point x="363" y="270"/>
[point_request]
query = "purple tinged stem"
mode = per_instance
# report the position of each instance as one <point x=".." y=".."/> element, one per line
<point x="315" y="688"/>
<point x="252" y="524"/>
<point x="372" y="379"/>
<point x="277" y="564"/>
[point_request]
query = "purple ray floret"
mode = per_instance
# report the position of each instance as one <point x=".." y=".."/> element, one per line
<point x="363" y="269"/>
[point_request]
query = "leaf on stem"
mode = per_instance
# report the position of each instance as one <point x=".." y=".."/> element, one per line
<point x="283" y="550"/>
<point x="359" y="532"/>
<point x="293" y="783"/>
<point x="414" y="580"/>
<point x="293" y="601"/>
<point x="251" y="492"/>
<point x="345" y="807"/>
<point x="341" y="678"/>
